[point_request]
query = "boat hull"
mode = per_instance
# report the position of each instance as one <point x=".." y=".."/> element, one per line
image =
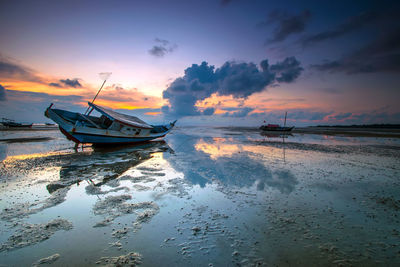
<point x="99" y="139"/>
<point x="79" y="133"/>
<point x="276" y="129"/>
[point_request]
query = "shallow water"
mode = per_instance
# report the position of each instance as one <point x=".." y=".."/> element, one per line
<point x="205" y="196"/>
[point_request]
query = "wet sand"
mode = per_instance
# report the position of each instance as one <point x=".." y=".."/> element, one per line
<point x="204" y="197"/>
<point x="348" y="131"/>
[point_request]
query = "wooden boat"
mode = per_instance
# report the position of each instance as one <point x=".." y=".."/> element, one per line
<point x="276" y="127"/>
<point x="12" y="123"/>
<point x="110" y="128"/>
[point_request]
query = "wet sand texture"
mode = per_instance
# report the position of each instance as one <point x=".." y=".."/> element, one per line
<point x="48" y="260"/>
<point x="131" y="259"/>
<point x="206" y="197"/>
<point x="29" y="234"/>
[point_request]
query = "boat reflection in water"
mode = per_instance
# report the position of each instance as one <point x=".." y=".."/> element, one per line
<point x="277" y="135"/>
<point x="105" y="163"/>
<point x="282" y="135"/>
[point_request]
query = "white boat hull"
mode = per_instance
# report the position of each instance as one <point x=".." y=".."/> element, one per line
<point x="80" y="133"/>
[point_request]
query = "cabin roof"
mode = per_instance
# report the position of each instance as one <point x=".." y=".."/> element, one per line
<point x="122" y="118"/>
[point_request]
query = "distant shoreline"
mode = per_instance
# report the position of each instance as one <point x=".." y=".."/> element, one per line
<point x="385" y="131"/>
<point x="33" y="128"/>
<point x="369" y="126"/>
<point x="334" y="131"/>
<point x="351" y="131"/>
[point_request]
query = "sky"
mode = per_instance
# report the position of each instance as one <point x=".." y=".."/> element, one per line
<point x="216" y="63"/>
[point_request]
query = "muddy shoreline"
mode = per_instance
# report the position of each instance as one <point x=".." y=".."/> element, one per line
<point x="333" y="131"/>
<point x="210" y="197"/>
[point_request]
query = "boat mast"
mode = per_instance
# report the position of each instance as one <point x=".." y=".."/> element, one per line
<point x="284" y="125"/>
<point x="105" y="76"/>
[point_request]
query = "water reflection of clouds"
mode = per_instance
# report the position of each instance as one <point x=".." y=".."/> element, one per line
<point x="283" y="180"/>
<point x="222" y="147"/>
<point x="233" y="164"/>
<point x="218" y="148"/>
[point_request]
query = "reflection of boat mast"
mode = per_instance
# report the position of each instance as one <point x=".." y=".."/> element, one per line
<point x="284" y="125"/>
<point x="277" y="135"/>
<point x="284" y="146"/>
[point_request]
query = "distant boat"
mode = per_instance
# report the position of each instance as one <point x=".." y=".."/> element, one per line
<point x="110" y="128"/>
<point x="276" y="127"/>
<point x="12" y="123"/>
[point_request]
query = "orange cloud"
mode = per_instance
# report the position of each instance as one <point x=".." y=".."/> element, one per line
<point x="114" y="96"/>
<point x="260" y="102"/>
<point x="120" y="98"/>
<point x="28" y="86"/>
<point x="216" y="101"/>
<point x="153" y="113"/>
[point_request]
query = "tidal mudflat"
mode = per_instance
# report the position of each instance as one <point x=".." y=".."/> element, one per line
<point x="202" y="197"/>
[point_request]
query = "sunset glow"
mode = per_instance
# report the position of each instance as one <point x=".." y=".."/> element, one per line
<point x="235" y="65"/>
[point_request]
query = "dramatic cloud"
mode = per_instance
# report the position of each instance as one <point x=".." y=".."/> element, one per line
<point x="243" y="79"/>
<point x="208" y="111"/>
<point x="243" y="112"/>
<point x="2" y="93"/>
<point x="381" y="55"/>
<point x="287" y="70"/>
<point x="238" y="80"/>
<point x="10" y="70"/>
<point x="286" y="24"/>
<point x="71" y="83"/>
<point x="162" y="48"/>
<point x="351" y="25"/>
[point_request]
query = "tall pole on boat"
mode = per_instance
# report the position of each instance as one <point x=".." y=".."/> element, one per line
<point x="104" y="76"/>
<point x="284" y="125"/>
